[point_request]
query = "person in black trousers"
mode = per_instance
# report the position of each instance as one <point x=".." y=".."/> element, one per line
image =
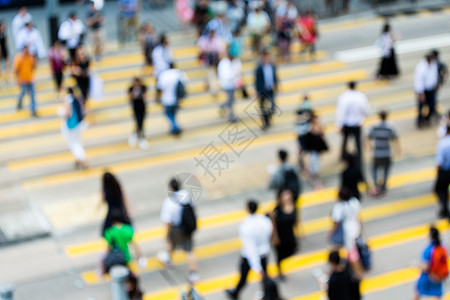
<point x="443" y="176"/>
<point x="138" y="97"/>
<point x="352" y="175"/>
<point x="266" y="87"/>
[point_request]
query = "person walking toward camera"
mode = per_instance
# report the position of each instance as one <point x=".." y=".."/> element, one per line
<point x="137" y="94"/>
<point x="178" y="215"/>
<point x="443" y="173"/>
<point x="426" y="83"/>
<point x="255" y="233"/>
<point x="24" y="66"/>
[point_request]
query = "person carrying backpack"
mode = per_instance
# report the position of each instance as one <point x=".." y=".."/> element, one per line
<point x="434" y="268"/>
<point x="286" y="177"/>
<point x="179" y="216"/>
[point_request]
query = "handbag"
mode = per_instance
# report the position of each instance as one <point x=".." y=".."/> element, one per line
<point x="114" y="257"/>
<point x="338" y="236"/>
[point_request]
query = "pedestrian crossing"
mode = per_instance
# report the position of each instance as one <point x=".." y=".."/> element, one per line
<point x="45" y="165"/>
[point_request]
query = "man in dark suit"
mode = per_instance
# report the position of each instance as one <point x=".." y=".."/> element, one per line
<point x="266" y="86"/>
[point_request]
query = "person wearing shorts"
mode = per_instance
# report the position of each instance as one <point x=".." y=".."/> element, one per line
<point x="171" y="215"/>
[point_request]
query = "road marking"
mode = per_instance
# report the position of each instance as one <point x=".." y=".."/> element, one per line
<point x="304" y="261"/>
<point x="406" y="46"/>
<point x="307" y="200"/>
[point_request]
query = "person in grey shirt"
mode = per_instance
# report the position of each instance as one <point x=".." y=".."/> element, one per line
<point x="381" y="136"/>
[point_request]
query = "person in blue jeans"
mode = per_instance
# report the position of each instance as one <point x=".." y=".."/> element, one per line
<point x="24" y="66"/>
<point x="166" y="85"/>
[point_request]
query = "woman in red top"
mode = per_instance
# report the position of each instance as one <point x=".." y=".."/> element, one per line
<point x="57" y="60"/>
<point x="307" y="32"/>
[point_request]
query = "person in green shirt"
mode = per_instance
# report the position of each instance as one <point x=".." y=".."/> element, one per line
<point x="120" y="235"/>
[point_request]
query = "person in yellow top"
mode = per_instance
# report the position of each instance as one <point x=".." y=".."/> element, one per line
<point x="24" y="65"/>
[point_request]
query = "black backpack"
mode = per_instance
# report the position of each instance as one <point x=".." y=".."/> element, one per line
<point x="180" y="90"/>
<point x="291" y="182"/>
<point x="188" y="219"/>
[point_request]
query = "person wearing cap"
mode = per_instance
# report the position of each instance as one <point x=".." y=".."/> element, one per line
<point x="351" y="112"/>
<point x="266" y="85"/>
<point x="71" y="31"/>
<point x="426" y="83"/>
<point x="31" y="37"/>
<point x="95" y="22"/>
<point x="255" y="232"/>
<point x="258" y="24"/>
<point x="24" y="66"/>
<point x="19" y="21"/>
<point x="229" y="71"/>
<point x="443" y="173"/>
<point x="380" y="138"/>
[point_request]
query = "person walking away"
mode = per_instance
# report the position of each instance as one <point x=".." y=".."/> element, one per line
<point x="4" y="54"/>
<point x="18" y="23"/>
<point x="351" y="112"/>
<point x="286" y="177"/>
<point x="347" y="228"/>
<point x="167" y="86"/>
<point x="307" y="33"/>
<point x="266" y="87"/>
<point x="81" y="71"/>
<point x="388" y="64"/>
<point x="426" y="83"/>
<point x="219" y="24"/>
<point x="161" y="56"/>
<point x="382" y="135"/>
<point x="118" y="237"/>
<point x="24" y="66"/>
<point x="343" y="283"/>
<point x="72" y="126"/>
<point x="235" y="14"/>
<point x="148" y="42"/>
<point x="255" y="233"/>
<point x="174" y="214"/>
<point x="434" y="268"/>
<point x="284" y="221"/>
<point x="128" y="19"/>
<point x="315" y="144"/>
<point x="258" y="24"/>
<point x="352" y="175"/>
<point x="211" y="48"/>
<point x="71" y="32"/>
<point x="115" y="199"/>
<point x="57" y="60"/>
<point x="302" y="128"/>
<point x="137" y="94"/>
<point x="229" y="70"/>
<point x="30" y="36"/>
<point x="95" y="22"/>
<point x="284" y="26"/>
<point x="443" y="173"/>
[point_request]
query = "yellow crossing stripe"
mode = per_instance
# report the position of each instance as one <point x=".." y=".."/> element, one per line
<point x="120" y="87"/>
<point x="208" y="114"/>
<point x="175" y="157"/>
<point x="304" y="261"/>
<point x="307" y="200"/>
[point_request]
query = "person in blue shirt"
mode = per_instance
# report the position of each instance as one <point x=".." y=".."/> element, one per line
<point x="443" y="173"/>
<point x="426" y="287"/>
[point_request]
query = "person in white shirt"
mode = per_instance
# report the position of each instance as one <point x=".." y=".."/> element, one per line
<point x="31" y="37"/>
<point x="18" y="23"/>
<point x="71" y="31"/>
<point x="255" y="232"/>
<point x="161" y="56"/>
<point x="229" y="71"/>
<point x="426" y="83"/>
<point x="166" y="86"/>
<point x="171" y="215"/>
<point x="258" y="23"/>
<point x="352" y="109"/>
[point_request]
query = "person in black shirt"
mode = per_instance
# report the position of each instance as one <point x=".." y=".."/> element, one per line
<point x="138" y="97"/>
<point x="352" y="175"/>
<point x="81" y="72"/>
<point x="3" y="48"/>
<point x="343" y="284"/>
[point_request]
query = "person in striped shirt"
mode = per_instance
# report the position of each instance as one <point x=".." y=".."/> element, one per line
<point x="381" y="136"/>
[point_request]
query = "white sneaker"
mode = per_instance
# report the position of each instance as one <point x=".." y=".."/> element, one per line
<point x="193" y="277"/>
<point x="143" y="144"/>
<point x="164" y="258"/>
<point x="132" y="140"/>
